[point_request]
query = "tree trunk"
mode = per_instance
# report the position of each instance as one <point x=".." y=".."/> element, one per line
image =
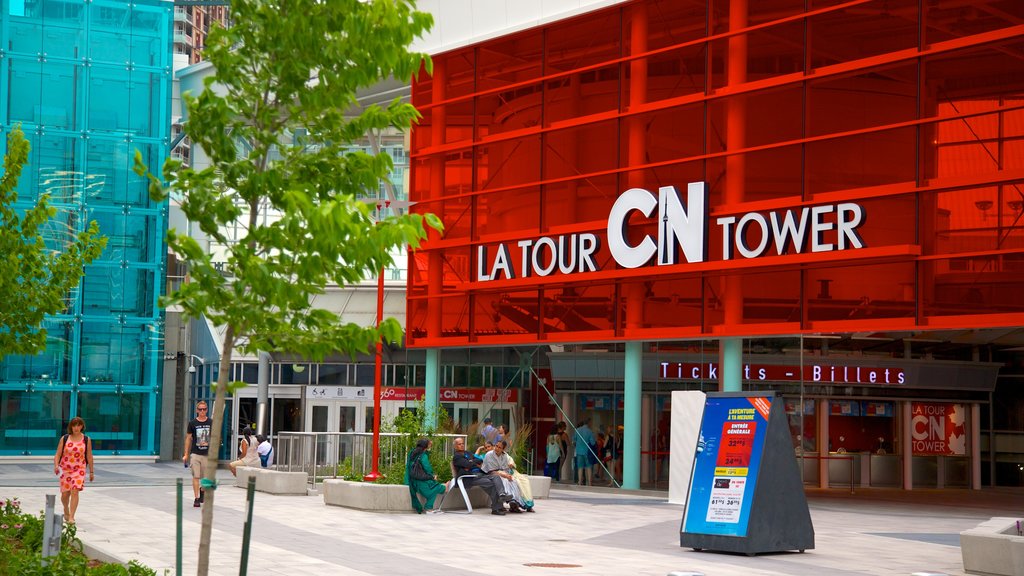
<point x="211" y="470"/>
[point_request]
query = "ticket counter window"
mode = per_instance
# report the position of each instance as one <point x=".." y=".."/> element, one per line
<point x="861" y="443"/>
<point x="803" y="428"/>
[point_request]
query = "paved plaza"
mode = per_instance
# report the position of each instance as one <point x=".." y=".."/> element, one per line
<point x="129" y="514"/>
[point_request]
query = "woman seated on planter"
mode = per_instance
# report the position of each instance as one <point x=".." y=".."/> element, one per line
<point x="497" y="462"/>
<point x="420" y="477"/>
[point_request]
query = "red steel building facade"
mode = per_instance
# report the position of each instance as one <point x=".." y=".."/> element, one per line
<point x="669" y="171"/>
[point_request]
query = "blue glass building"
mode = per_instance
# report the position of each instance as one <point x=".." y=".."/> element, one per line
<point x="89" y="82"/>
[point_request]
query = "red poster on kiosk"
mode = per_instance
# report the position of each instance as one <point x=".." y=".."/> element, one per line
<point x="938" y="428"/>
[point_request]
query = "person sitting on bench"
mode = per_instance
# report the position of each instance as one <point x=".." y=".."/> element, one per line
<point x="498" y="464"/>
<point x="464" y="465"/>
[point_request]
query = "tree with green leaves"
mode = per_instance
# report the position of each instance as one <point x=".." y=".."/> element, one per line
<point x="286" y="65"/>
<point x="35" y="279"/>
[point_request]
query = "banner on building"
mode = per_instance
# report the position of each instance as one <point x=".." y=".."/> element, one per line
<point x="938" y="429"/>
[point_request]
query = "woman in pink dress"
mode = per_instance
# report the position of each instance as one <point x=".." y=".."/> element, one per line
<point x="74" y="454"/>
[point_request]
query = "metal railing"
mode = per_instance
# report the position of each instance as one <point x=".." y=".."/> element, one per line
<point x="319" y="454"/>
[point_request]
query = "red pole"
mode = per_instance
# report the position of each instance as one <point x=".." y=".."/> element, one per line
<point x="374" y="475"/>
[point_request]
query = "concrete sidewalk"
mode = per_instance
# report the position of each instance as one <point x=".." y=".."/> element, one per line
<point x="576" y="531"/>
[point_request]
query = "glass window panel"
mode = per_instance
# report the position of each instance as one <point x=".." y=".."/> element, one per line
<point x="582" y="94"/>
<point x="514" y="109"/>
<point x="295" y="373"/>
<point x="32" y="422"/>
<point x="861" y="31"/>
<point x="138" y="186"/>
<point x="457" y="72"/>
<point x="669" y="75"/>
<point x="27" y="85"/>
<point x="58" y="159"/>
<point x="972" y="285"/>
<point x="871" y="291"/>
<point x="63" y="42"/>
<point x="136" y="295"/>
<point x="51" y="365"/>
<point x="580" y="150"/>
<point x="669" y="22"/>
<point x="110" y="16"/>
<point x="874" y="97"/>
<point x="783" y="124"/>
<point x="108" y="100"/>
<point x="507" y="163"/>
<point x="25" y="37"/>
<point x="510" y="60"/>
<point x="113" y="225"/>
<point x="57" y="103"/>
<point x="505" y="313"/>
<point x="333" y="374"/>
<point x="766" y="174"/>
<point x="665" y="135"/>
<point x="146" y="104"/>
<point x="63" y="13"/>
<point x="963" y="220"/>
<point x="113" y="421"/>
<point x="106" y="171"/>
<point x="770" y="52"/>
<point x="862" y="160"/>
<point x="507" y="211"/>
<point x="565" y="51"/>
<point x="580" y="200"/>
<point x="112" y="48"/>
<point x="944" y="21"/>
<point x="101" y="290"/>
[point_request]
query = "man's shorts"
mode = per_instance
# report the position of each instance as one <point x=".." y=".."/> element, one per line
<point x="198" y="465"/>
<point x="582" y="461"/>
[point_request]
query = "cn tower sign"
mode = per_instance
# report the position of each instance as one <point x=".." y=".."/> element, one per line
<point x="683" y="231"/>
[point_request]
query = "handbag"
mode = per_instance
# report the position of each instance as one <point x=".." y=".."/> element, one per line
<point x="416" y="472"/>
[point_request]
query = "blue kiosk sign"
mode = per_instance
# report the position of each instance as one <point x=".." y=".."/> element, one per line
<point x="746" y="494"/>
<point x="726" y="468"/>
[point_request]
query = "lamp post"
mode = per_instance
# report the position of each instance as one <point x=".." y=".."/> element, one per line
<point x="374" y="474"/>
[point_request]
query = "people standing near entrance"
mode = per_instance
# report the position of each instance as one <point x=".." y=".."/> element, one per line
<point x="599" y="461"/>
<point x="197" y="446"/>
<point x="247" y="454"/>
<point x="585" y="444"/>
<point x="554" y="454"/>
<point x="488" y="432"/>
<point x="610" y="453"/>
<point x="74" y="455"/>
<point x="563" y="440"/>
<point x="420" y="477"/>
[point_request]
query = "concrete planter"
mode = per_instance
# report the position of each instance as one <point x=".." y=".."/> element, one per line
<point x="395" y="497"/>
<point x="993" y="548"/>
<point x="273" y="481"/>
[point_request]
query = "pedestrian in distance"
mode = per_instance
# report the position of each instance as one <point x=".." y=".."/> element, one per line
<point x="73" y="457"/>
<point x="247" y="454"/>
<point x="421" y="479"/>
<point x="197" y="447"/>
<point x="554" y="454"/>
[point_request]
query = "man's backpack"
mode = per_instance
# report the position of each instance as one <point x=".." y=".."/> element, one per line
<point x="64" y="440"/>
<point x="265" y="458"/>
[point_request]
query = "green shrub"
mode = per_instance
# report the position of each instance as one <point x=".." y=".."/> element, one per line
<point x="21" y="541"/>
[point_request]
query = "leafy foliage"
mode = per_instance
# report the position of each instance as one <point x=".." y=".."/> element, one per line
<point x="21" y="542"/>
<point x="35" y="278"/>
<point x="290" y="68"/>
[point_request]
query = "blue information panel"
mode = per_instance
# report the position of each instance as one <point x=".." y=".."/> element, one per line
<point x="732" y="436"/>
